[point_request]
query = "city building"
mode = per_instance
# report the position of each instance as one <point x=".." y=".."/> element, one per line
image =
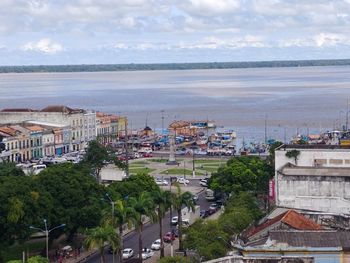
<point x="313" y="177"/>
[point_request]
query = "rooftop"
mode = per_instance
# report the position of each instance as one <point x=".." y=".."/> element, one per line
<point x="18" y="110"/>
<point x="313" y="147"/>
<point x="292" y="170"/>
<point x="61" y="108"/>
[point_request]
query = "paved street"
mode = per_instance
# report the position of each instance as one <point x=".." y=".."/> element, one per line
<point x="151" y="231"/>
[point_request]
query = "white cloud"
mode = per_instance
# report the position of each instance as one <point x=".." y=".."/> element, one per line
<point x="326" y="39"/>
<point x="44" y="45"/>
<point x="210" y="7"/>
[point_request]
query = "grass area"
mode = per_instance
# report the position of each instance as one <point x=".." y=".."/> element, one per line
<point x="139" y="163"/>
<point x="211" y="161"/>
<point x="180" y="171"/>
<point x="210" y="169"/>
<point x="15" y="251"/>
<point x="140" y="170"/>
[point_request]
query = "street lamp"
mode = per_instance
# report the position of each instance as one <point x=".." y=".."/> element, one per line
<point x="47" y="232"/>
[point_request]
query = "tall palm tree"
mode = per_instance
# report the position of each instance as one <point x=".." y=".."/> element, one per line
<point x="162" y="200"/>
<point x="98" y="237"/>
<point x="143" y="206"/>
<point x="182" y="199"/>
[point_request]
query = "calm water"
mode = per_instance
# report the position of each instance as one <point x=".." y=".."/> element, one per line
<point x="291" y="98"/>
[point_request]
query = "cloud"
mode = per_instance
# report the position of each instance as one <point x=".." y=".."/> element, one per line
<point x="45" y="45"/>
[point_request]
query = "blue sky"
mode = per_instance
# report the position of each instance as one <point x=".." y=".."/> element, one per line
<point x="36" y="32"/>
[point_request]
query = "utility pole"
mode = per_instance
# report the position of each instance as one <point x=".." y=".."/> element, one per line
<point x="265" y="128"/>
<point x="347" y="114"/>
<point x="126" y="149"/>
<point x="162" y="111"/>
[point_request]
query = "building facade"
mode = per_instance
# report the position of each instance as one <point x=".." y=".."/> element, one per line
<point x="317" y="178"/>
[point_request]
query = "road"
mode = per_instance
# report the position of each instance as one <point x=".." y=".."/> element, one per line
<point x="151" y="231"/>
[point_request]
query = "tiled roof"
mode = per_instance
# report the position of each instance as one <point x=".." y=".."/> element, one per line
<point x="291" y="218"/>
<point x="60" y="108"/>
<point x="312" y="238"/>
<point x="35" y="128"/>
<point x="8" y="130"/>
<point x="18" y="110"/>
<point x="300" y="222"/>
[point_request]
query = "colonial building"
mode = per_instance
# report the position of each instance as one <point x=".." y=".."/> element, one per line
<point x="313" y="177"/>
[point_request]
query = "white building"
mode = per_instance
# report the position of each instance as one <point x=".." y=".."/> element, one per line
<point x="82" y="123"/>
<point x="318" y="180"/>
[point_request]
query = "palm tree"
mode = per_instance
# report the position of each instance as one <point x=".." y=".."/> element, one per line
<point x="163" y="200"/>
<point x="143" y="206"/>
<point x="98" y="237"/>
<point x="123" y="214"/>
<point x="182" y="199"/>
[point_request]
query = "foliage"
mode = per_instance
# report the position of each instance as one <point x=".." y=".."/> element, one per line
<point x="97" y="156"/>
<point x="97" y="238"/>
<point x="176" y="259"/>
<point x="293" y="154"/>
<point x="37" y="259"/>
<point x="242" y="174"/>
<point x="10" y="169"/>
<point x="14" y="261"/>
<point x="133" y="186"/>
<point x="207" y="239"/>
<point x="143" y="206"/>
<point x="163" y="201"/>
<point x="181" y="199"/>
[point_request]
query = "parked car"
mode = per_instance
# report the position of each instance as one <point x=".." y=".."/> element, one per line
<point x="182" y="180"/>
<point x="213" y="208"/>
<point x="204" y="213"/>
<point x="147" y="253"/>
<point x="128" y="253"/>
<point x="175" y="231"/>
<point x="204" y="182"/>
<point x="147" y="155"/>
<point x="160" y="181"/>
<point x="174" y="220"/>
<point x="156" y="245"/>
<point x="168" y="237"/>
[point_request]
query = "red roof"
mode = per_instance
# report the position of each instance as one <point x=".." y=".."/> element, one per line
<point x="291" y="218"/>
<point x="18" y="110"/>
<point x="60" y="108"/>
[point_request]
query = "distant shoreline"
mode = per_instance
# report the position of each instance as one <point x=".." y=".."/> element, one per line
<point x="172" y="66"/>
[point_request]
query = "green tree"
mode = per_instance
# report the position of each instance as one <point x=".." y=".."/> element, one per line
<point x="133" y="186"/>
<point x="208" y="239"/>
<point x="97" y="238"/>
<point x="163" y="201"/>
<point x="176" y="259"/>
<point x="293" y="154"/>
<point x="98" y="156"/>
<point x="180" y="199"/>
<point x="10" y="169"/>
<point x="75" y="196"/>
<point x="143" y="206"/>
<point x="37" y="259"/>
<point x="123" y="215"/>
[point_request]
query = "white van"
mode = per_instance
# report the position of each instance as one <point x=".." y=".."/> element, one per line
<point x="38" y="168"/>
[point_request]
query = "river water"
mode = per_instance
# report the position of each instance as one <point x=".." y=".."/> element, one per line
<point x="289" y="99"/>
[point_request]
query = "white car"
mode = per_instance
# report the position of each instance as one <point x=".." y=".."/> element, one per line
<point x="147" y="253"/>
<point x="182" y="180"/>
<point x="204" y="182"/>
<point x="160" y="181"/>
<point x="128" y="253"/>
<point x="156" y="244"/>
<point x="174" y="220"/>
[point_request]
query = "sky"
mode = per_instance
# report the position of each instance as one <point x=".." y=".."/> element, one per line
<point x="44" y="32"/>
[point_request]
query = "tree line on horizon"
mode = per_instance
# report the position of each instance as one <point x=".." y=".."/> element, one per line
<point x="172" y="66"/>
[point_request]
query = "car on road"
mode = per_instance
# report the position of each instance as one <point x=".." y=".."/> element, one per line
<point x="174" y="220"/>
<point x="156" y="244"/>
<point x="204" y="213"/>
<point x="168" y="237"/>
<point x="128" y="253"/>
<point x="182" y="180"/>
<point x="160" y="181"/>
<point x="147" y="253"/>
<point x="204" y="182"/>
<point x="213" y="208"/>
<point x="195" y="198"/>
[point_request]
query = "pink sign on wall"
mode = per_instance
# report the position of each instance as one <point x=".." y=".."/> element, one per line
<point x="272" y="189"/>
